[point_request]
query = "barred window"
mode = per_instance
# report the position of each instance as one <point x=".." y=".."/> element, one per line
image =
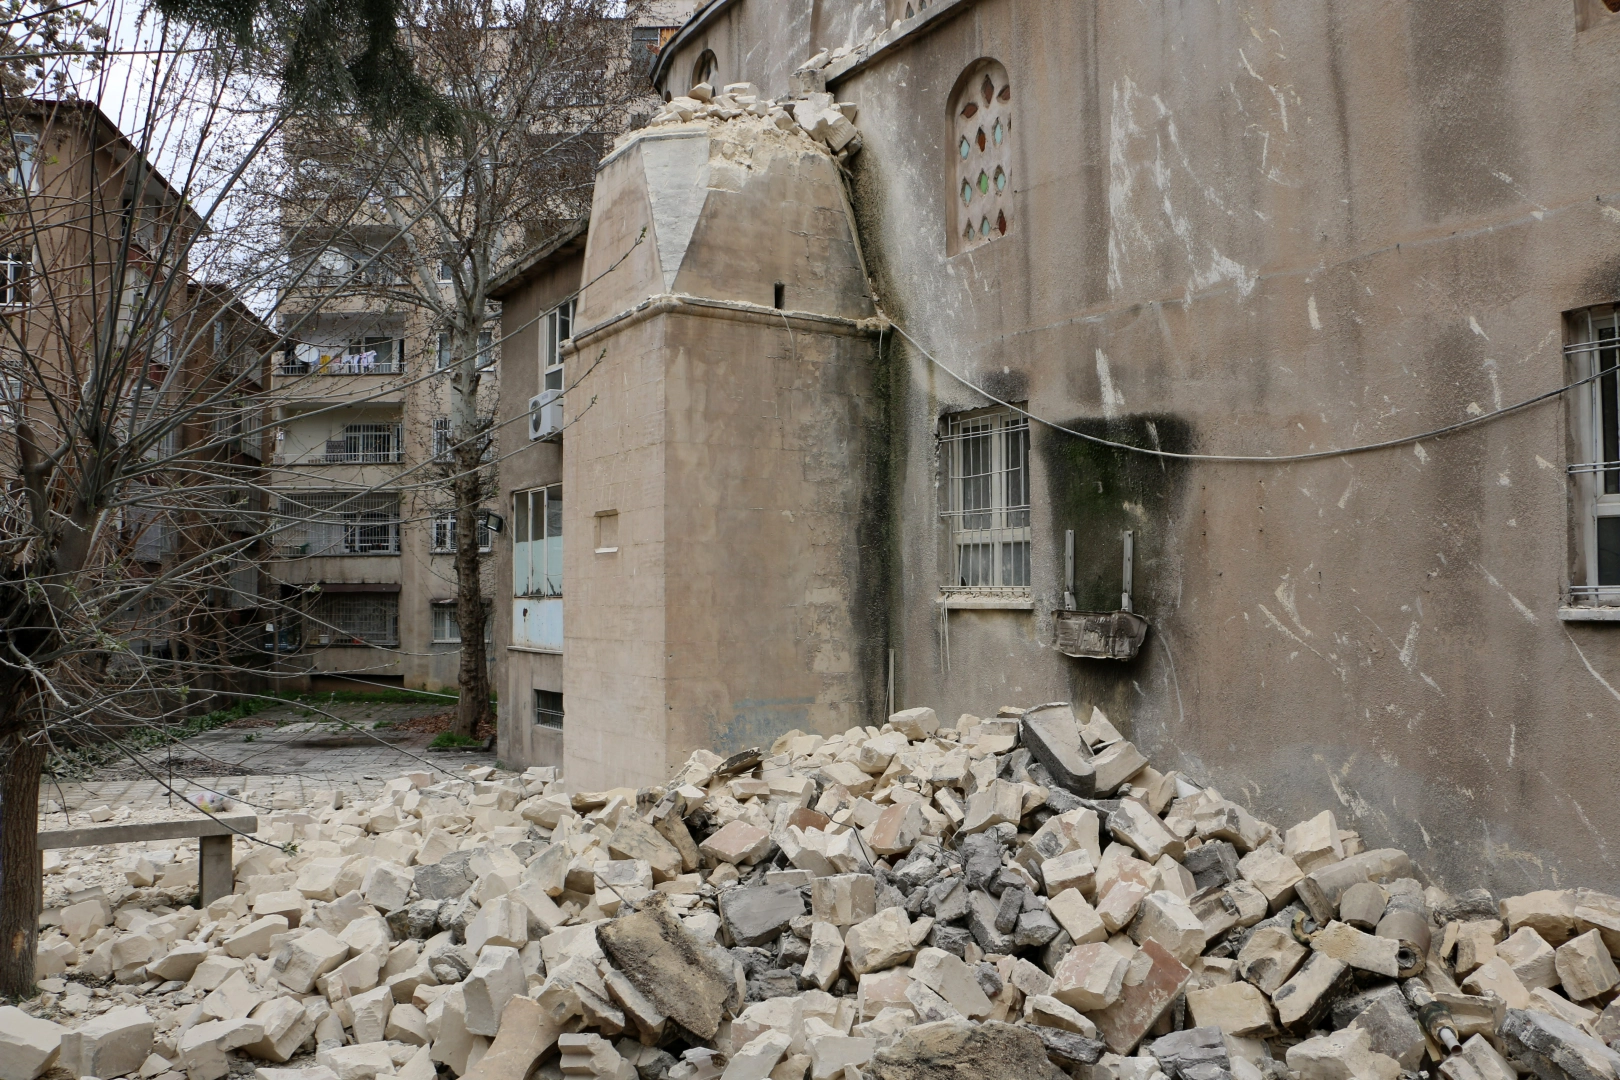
<point x="444" y="533"/>
<point x="548" y="709"/>
<point x="447" y="628"/>
<point x="353" y="619"/>
<point x="337" y="523"/>
<point x="986" y="458"/>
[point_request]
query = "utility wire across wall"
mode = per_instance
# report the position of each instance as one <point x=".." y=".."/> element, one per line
<point x="1254" y="459"/>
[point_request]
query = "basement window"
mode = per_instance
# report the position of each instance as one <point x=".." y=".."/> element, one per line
<point x="548" y="709"/>
<point x="985" y="458"/>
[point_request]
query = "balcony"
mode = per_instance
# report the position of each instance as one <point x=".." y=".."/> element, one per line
<point x="358" y="444"/>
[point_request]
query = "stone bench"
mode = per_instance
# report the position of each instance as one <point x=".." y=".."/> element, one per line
<point x="215" y="875"/>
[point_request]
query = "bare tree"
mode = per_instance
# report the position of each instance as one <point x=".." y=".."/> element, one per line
<point x="429" y="216"/>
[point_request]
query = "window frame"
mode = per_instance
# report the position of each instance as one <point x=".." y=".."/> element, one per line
<point x="1595" y="475"/>
<point x="987" y="506"/>
<point x="447" y="609"/>
<point x="16" y="268"/>
<point x="543" y="700"/>
<point x="559" y="327"/>
<point x="442" y="534"/>
<point x="971" y="117"/>
<point x="524" y="517"/>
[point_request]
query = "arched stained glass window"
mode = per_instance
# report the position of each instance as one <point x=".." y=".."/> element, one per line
<point x="981" y="133"/>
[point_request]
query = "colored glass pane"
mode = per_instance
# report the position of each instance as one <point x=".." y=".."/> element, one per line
<point x="980" y="139"/>
<point x="984" y="183"/>
<point x="984" y="226"/>
<point x="970" y="109"/>
<point x="967" y="192"/>
<point x="1001" y="180"/>
<point x="997" y="134"/>
<point x="987" y="90"/>
<point x="1006" y="92"/>
<point x="1001" y="223"/>
<point x="965" y="147"/>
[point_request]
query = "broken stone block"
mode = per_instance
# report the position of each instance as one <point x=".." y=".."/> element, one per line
<point x="1273" y="873"/>
<point x="1495" y="977"/>
<point x="1531" y="958"/>
<point x="1048" y="1011"/>
<point x="203" y="1047"/>
<point x="1238" y="1008"/>
<point x="1119" y="905"/>
<point x="826" y="956"/>
<point x="738" y="843"/>
<point x="880" y="942"/>
<point x="1364" y="952"/>
<point x="365" y="1061"/>
<point x="442" y="880"/>
<point x="962" y="1050"/>
<point x="179" y="962"/>
<point x="286" y="1025"/>
<point x="1555" y="1004"/>
<point x="1386" y="1016"/>
<point x="231" y="1000"/>
<point x="254" y="939"/>
<point x="844" y="899"/>
<point x="1053" y="738"/>
<point x="1305" y="997"/>
<point x="1078" y="918"/>
<point x="915" y="724"/>
<point x="1478" y="1060"/>
<point x="112" y="1044"/>
<point x="1090" y="977"/>
<point x="670" y="967"/>
<point x="494" y="980"/>
<point x="1346" y="1054"/>
<point x="28" y="1045"/>
<point x="370" y="1014"/>
<point x="1136" y="825"/>
<point x="1071" y="870"/>
<point x="1314" y="843"/>
<point x="952" y="980"/>
<point x="1169" y="921"/>
<point x="1000" y="803"/>
<point x="387" y="886"/>
<point x="1601" y="912"/>
<point x="1550" y="913"/>
<point x="502" y="921"/>
<point x="1556" y="1049"/>
<point x="1141" y="1003"/>
<point x="1584" y="967"/>
<point x="1114" y="765"/>
<point x="636" y="840"/>
<point x="1320" y="889"/>
<point x="755" y="914"/>
<point x="354" y="976"/>
<point x="898" y="829"/>
<point x="1476" y="943"/>
<point x="1194" y="1054"/>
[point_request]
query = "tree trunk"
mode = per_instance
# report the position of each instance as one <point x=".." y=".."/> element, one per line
<point x="19" y="864"/>
<point x="472" y="678"/>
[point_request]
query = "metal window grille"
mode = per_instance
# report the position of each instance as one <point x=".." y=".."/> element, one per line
<point x="548" y="709"/>
<point x="441" y="439"/>
<point x="354" y="619"/>
<point x="364" y="444"/>
<point x="1596" y="479"/>
<point x="337" y="523"/>
<point x="444" y="534"/>
<point x="986" y="456"/>
<point x="14" y="270"/>
<point x="446" y="630"/>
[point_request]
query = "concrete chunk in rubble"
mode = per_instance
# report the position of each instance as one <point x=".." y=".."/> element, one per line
<point x="1554" y="1048"/>
<point x="1114" y="765"/>
<point x="754" y="914"/>
<point x="1194" y="1054"/>
<point x="286" y="1025"/>
<point x="1053" y="738"/>
<point x="844" y="899"/>
<point x="963" y="1050"/>
<point x="1321" y="889"/>
<point x="670" y="967"/>
<point x="1304" y="998"/>
<point x="1531" y="958"/>
<point x="1478" y="1061"/>
<point x="1315" y="843"/>
<point x="1365" y="952"/>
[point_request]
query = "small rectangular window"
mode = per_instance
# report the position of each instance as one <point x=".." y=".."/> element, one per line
<point x="548" y="709"/>
<point x="1594" y="353"/>
<point x="444" y="534"/>
<point x="446" y="630"/>
<point x="486" y="349"/>
<point x="559" y="327"/>
<point x="986" y="458"/>
<point x="444" y="351"/>
<point x="14" y="271"/>
<point x="24" y="174"/>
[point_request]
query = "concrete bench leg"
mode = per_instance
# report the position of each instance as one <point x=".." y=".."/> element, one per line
<point x="215" y="876"/>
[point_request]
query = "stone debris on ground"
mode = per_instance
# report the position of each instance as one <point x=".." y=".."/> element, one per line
<point x="1008" y="898"/>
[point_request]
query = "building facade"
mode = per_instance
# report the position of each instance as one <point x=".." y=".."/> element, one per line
<point x="1246" y="299"/>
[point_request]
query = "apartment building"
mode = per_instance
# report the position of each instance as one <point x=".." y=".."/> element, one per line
<point x="364" y="534"/>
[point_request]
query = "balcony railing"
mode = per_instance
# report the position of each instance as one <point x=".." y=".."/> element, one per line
<point x="359" y="444"/>
<point x="346" y="364"/>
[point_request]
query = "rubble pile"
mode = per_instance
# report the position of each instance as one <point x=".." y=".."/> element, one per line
<point x="815" y="115"/>
<point x="1022" y="896"/>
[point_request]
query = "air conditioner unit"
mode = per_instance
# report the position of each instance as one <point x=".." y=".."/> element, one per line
<point x="546" y="414"/>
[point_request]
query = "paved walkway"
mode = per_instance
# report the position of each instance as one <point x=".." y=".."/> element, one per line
<point x="284" y="757"/>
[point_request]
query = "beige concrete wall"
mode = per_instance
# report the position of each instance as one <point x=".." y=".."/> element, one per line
<point x="1267" y="229"/>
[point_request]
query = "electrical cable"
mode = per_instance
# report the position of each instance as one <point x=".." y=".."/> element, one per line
<point x="1252" y="459"/>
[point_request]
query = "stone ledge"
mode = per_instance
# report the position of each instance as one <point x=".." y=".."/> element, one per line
<point x="1589" y="614"/>
<point x="148" y="830"/>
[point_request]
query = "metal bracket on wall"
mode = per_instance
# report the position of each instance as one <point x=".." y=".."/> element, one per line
<point x="1099" y="635"/>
